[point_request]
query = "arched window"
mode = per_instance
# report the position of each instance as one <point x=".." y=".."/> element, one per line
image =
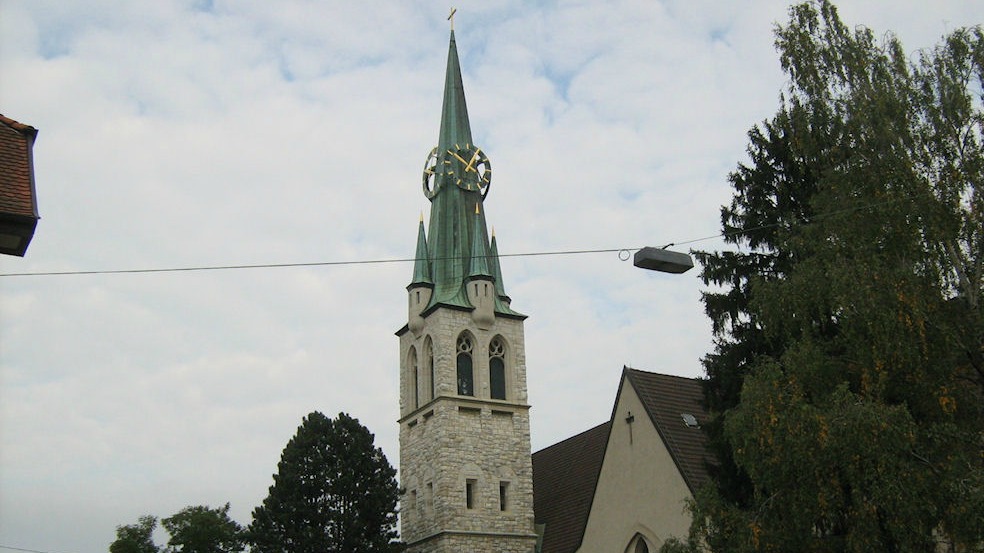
<point x="414" y="377"/>
<point x="429" y="365"/>
<point x="497" y="368"/>
<point x="466" y="378"/>
<point x="638" y="545"/>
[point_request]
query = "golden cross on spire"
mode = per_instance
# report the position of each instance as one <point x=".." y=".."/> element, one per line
<point x="451" y="17"/>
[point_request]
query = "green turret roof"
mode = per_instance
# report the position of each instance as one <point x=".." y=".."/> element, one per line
<point x="421" y="264"/>
<point x="458" y="240"/>
<point x="480" y="253"/>
<point x="500" y="287"/>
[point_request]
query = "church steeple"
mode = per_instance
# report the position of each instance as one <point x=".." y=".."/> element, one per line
<point x="456" y="181"/>
<point x="464" y="418"/>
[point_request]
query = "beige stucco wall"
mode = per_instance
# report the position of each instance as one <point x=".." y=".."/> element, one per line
<point x="640" y="490"/>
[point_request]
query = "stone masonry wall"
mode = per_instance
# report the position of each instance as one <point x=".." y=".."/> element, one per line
<point x="452" y="442"/>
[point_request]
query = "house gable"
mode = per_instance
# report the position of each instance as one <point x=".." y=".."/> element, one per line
<point x="668" y="401"/>
<point x="640" y="488"/>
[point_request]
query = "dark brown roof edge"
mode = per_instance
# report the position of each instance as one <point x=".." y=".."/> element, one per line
<point x="595" y="473"/>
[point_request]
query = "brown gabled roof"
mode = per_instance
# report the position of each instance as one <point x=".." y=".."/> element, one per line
<point x="564" y="479"/>
<point x="16" y="168"/>
<point x="667" y="399"/>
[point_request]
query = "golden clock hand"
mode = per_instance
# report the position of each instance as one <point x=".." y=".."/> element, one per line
<point x="455" y="154"/>
<point x="468" y="166"/>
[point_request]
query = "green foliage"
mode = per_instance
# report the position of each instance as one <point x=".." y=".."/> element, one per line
<point x="847" y="381"/>
<point x="334" y="492"/>
<point x="200" y="529"/>
<point x="136" y="538"/>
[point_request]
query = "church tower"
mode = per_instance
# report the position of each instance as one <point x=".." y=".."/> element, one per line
<point x="465" y="464"/>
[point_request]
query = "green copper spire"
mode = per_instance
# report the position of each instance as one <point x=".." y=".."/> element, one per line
<point x="459" y="174"/>
<point x="421" y="264"/>
<point x="455" y="129"/>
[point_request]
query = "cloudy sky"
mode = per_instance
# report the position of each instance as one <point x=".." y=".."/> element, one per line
<point x="200" y="133"/>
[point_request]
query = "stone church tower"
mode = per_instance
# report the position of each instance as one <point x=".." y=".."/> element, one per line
<point x="464" y="419"/>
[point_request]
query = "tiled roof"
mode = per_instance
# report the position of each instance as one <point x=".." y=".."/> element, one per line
<point x="16" y="182"/>
<point x="667" y="399"/>
<point x="564" y="479"/>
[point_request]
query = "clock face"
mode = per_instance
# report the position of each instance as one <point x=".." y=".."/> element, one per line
<point x="431" y="181"/>
<point x="468" y="168"/>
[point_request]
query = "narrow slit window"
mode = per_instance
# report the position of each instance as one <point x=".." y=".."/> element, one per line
<point x="470" y="493"/>
<point x="503" y="496"/>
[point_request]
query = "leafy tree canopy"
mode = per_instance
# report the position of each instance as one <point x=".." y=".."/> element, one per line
<point x="136" y="538"/>
<point x="847" y="381"/>
<point x="334" y="491"/>
<point x="201" y="529"/>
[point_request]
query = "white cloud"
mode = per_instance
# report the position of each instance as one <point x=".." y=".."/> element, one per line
<point x="177" y="134"/>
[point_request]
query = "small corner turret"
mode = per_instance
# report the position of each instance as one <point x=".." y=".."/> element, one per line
<point x="420" y="288"/>
<point x="480" y="284"/>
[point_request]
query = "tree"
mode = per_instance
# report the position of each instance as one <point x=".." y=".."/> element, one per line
<point x="200" y="529"/>
<point x="136" y="538"/>
<point x="334" y="491"/>
<point x="847" y="382"/>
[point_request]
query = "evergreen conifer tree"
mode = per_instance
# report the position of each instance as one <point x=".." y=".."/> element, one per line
<point x="334" y="492"/>
<point x="847" y="382"/>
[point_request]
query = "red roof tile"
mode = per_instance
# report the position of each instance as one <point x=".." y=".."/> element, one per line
<point x="16" y="169"/>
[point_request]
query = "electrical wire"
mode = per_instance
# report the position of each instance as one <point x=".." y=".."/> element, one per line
<point x="23" y="549"/>
<point x="284" y="265"/>
<point x="817" y="217"/>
